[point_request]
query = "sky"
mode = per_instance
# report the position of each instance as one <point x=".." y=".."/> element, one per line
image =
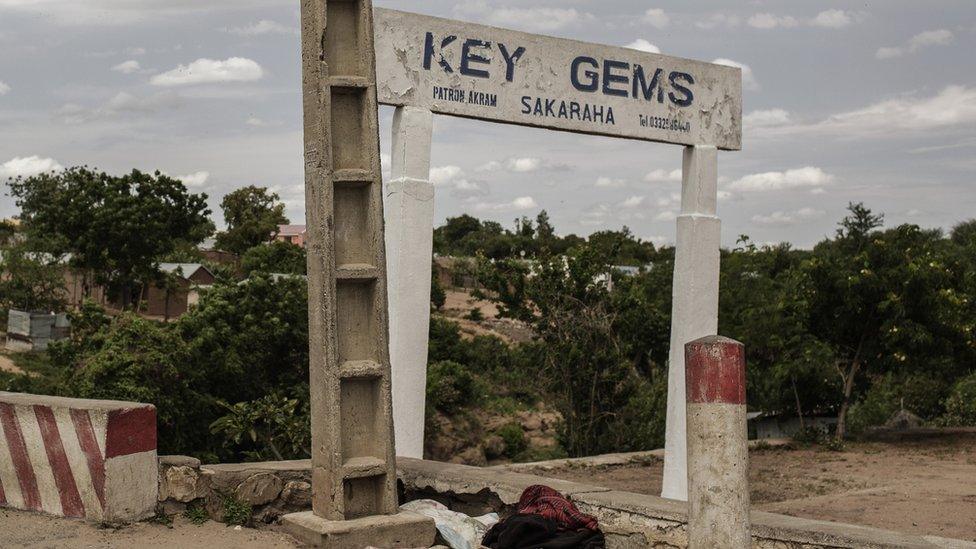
<point x="869" y="101"/>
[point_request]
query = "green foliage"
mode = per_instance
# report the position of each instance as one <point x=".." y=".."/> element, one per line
<point x="514" y="438"/>
<point x="573" y="317"/>
<point x="30" y="281"/>
<point x="438" y="297"/>
<point x="960" y="407"/>
<point x="140" y="360"/>
<point x="249" y="339"/>
<point x="236" y="512"/>
<point x="114" y="227"/>
<point x="475" y="314"/>
<point x="450" y="387"/>
<point x="276" y="257"/>
<point x="197" y="514"/>
<point x="252" y="215"/>
<point x="274" y="428"/>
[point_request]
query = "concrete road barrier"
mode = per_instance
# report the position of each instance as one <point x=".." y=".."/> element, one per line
<point x="718" y="447"/>
<point x="92" y="459"/>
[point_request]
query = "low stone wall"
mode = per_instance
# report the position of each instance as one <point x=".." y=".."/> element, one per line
<point x="629" y="520"/>
<point x="92" y="459"/>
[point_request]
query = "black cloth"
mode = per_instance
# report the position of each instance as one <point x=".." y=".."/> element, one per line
<point x="524" y="531"/>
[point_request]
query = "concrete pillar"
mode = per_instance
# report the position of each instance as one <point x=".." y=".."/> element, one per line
<point x="354" y="499"/>
<point x="694" y="309"/>
<point x="718" y="448"/>
<point x="409" y="250"/>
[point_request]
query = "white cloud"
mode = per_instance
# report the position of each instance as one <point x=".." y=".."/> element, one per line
<point x="643" y="45"/>
<point x="772" y="21"/>
<point x="749" y="81"/>
<point x="123" y="12"/>
<point x="195" y="179"/>
<point x="538" y="19"/>
<point x="120" y="104"/>
<point x="4" y="88"/>
<point x="663" y="176"/>
<point x="940" y="37"/>
<point x="262" y="27"/>
<point x="767" y="118"/>
<point x="453" y="177"/>
<point x="776" y="181"/>
<point x="788" y="218"/>
<point x="445" y="175"/>
<point x="128" y="67"/>
<point x="256" y="122"/>
<point x="523" y="165"/>
<point x="833" y="19"/>
<point x="610" y="182"/>
<point x="889" y="53"/>
<point x="633" y="202"/>
<point x="27" y="166"/>
<point x="953" y="106"/>
<point x="656" y="18"/>
<point x="719" y="20"/>
<point x="668" y="215"/>
<point x="520" y="203"/>
<point x="515" y="164"/>
<point x="208" y="71"/>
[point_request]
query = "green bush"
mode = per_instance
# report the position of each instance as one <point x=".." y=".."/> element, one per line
<point x="143" y="361"/>
<point x="273" y="428"/>
<point x="450" y="387"/>
<point x="514" y="438"/>
<point x="960" y="407"/>
<point x="236" y="512"/>
<point x="878" y="405"/>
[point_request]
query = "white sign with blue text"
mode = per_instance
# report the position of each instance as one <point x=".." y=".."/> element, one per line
<point x="476" y="71"/>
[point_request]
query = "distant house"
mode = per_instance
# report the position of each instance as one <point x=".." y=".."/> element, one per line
<point x="293" y="234"/>
<point x="210" y="252"/>
<point x="173" y="302"/>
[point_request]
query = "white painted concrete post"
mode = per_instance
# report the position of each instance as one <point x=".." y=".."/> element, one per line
<point x="409" y="251"/>
<point x="694" y="310"/>
<point x="718" y="447"/>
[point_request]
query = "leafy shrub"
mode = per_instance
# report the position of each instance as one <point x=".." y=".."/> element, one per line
<point x="450" y="387"/>
<point x="236" y="512"/>
<point x="475" y="315"/>
<point x="810" y="435"/>
<point x="143" y="361"/>
<point x="197" y="514"/>
<point x="270" y="428"/>
<point x="514" y="438"/>
<point x="274" y="257"/>
<point x="961" y="405"/>
<point x="438" y="297"/>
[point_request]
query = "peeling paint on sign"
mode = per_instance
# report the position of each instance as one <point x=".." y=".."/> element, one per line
<point x="487" y="73"/>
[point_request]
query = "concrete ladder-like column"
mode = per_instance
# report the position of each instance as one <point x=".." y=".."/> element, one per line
<point x="409" y="250"/>
<point x="694" y="309"/>
<point x="718" y="447"/>
<point x="354" y="500"/>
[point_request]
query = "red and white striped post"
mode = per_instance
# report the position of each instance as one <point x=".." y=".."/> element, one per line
<point x="718" y="450"/>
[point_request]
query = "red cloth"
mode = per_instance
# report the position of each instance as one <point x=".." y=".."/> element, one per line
<point x="543" y="500"/>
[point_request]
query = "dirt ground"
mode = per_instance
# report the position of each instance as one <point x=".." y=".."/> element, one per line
<point x="22" y="529"/>
<point x="458" y="305"/>
<point x="925" y="487"/>
<point x="7" y="365"/>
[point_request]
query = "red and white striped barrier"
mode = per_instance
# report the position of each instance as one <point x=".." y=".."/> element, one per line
<point x="92" y="459"/>
<point x="718" y="445"/>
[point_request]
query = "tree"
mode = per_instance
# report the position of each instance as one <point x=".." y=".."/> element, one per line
<point x="114" y="227"/>
<point x="277" y="257"/>
<point x="573" y="318"/>
<point x="253" y="215"/>
<point x="30" y="281"/>
<point x="885" y="302"/>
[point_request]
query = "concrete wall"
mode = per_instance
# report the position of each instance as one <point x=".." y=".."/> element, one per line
<point x="629" y="520"/>
<point x="92" y="459"/>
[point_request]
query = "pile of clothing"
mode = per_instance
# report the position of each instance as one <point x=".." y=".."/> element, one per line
<point x="545" y="519"/>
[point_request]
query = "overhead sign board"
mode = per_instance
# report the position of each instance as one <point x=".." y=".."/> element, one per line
<point x="477" y="71"/>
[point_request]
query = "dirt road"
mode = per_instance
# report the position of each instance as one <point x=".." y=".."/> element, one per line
<point x="924" y="487"/>
<point x="29" y="530"/>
